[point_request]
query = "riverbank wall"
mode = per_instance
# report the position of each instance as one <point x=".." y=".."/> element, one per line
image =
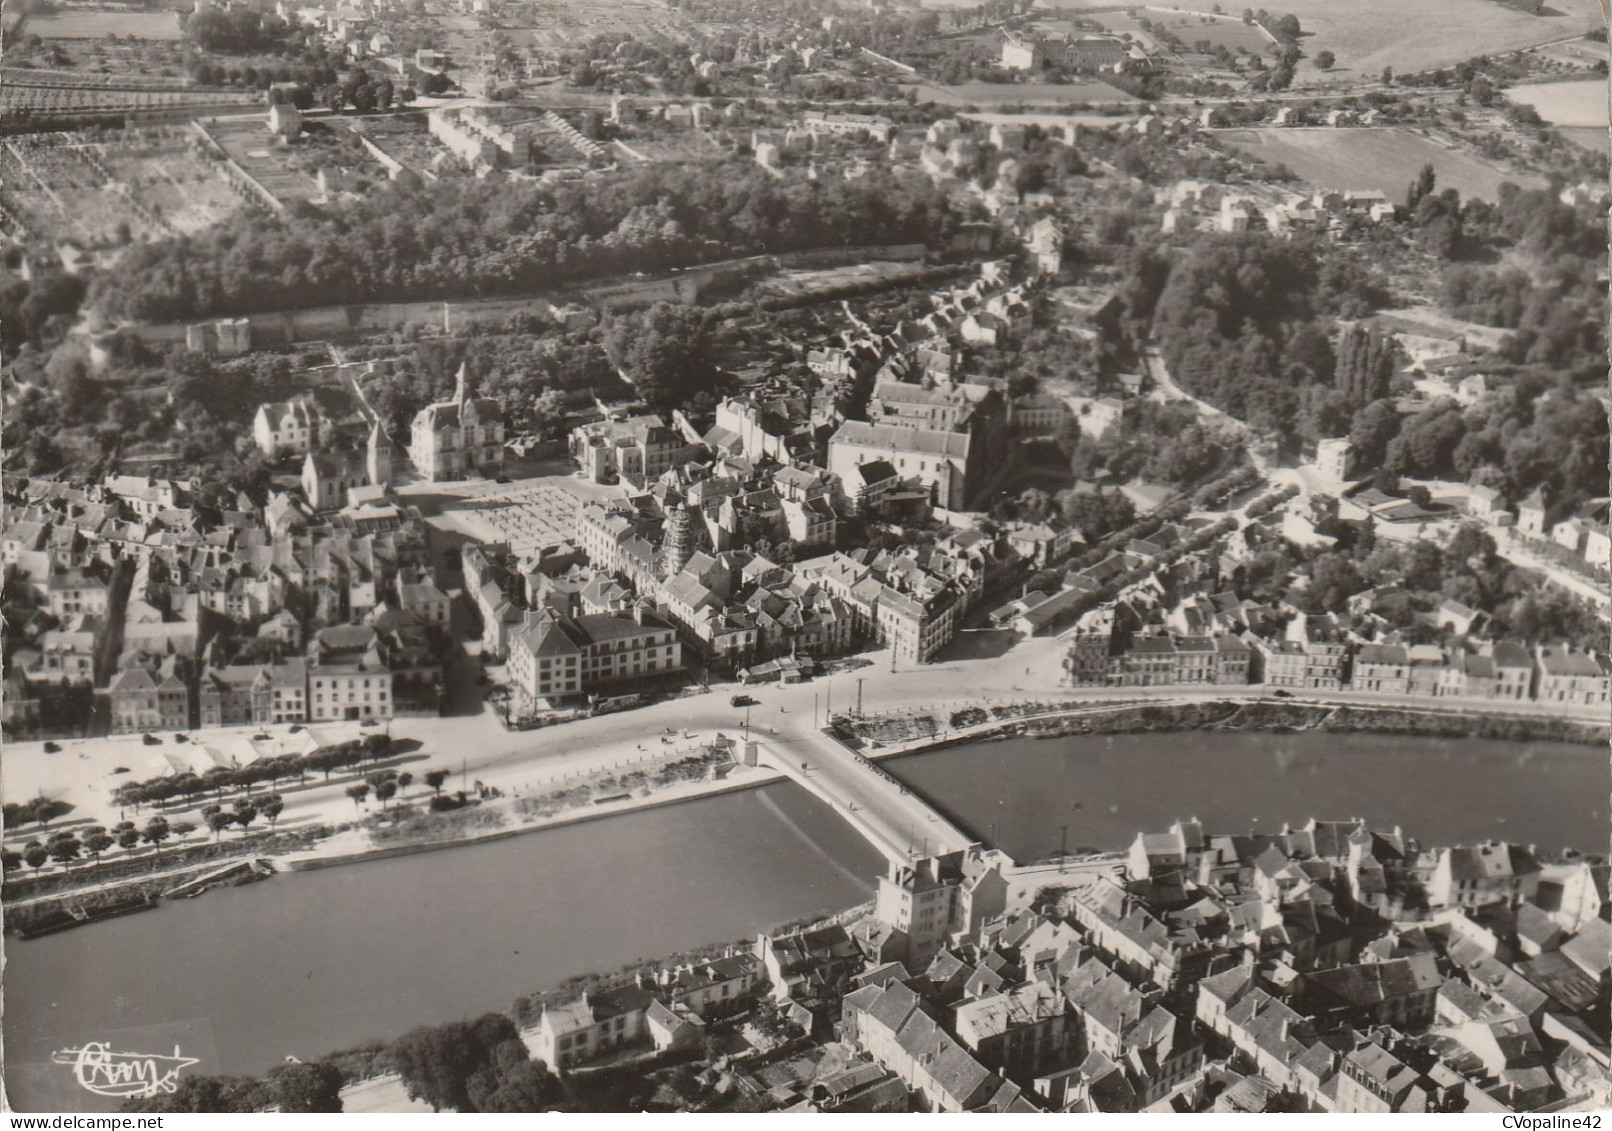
<point x="1011" y="720"/>
<point x="1141" y="717"/>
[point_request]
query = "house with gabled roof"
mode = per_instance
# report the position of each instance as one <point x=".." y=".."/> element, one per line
<point x="1017" y="1030"/>
<point x="573" y="1028"/>
<point x="889" y="1024"/>
<point x="1473" y="875"/>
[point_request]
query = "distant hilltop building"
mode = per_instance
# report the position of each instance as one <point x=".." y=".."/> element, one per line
<point x="1023" y="53"/>
<point x="285" y="121"/>
<point x="224" y="336"/>
<point x="453" y="439"/>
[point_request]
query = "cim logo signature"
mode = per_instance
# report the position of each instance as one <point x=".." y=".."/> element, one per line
<point x="104" y="1072"/>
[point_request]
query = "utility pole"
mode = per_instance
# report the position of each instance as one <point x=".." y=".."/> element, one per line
<point x="815" y="698"/>
<point x="828" y="706"/>
<point x="1063" y="847"/>
<point x="859" y="682"/>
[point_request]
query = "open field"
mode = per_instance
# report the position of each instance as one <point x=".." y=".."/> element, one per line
<point x="1566" y="103"/>
<point x="1007" y="94"/>
<point x="813" y="285"/>
<point x="93" y="23"/>
<point x="1368" y="35"/>
<point x="1190" y="27"/>
<point x="1592" y="138"/>
<point x="1383" y="159"/>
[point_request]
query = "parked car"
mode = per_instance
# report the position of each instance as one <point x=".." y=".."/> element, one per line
<point x="742" y="701"/>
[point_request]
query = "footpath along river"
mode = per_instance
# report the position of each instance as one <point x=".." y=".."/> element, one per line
<point x="312" y="962"/>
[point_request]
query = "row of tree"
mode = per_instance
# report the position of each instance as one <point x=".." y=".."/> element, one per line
<point x="67" y="845"/>
<point x="299" y="1087"/>
<point x="218" y="779"/>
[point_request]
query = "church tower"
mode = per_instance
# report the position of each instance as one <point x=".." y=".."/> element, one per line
<point x="677" y="545"/>
<point x="378" y="455"/>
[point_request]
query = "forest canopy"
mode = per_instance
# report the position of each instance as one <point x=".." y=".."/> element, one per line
<point x="455" y="239"/>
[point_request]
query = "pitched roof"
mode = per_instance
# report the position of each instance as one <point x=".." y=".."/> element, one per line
<point x="1591" y="949"/>
<point x="1371" y="983"/>
<point x="923" y="441"/>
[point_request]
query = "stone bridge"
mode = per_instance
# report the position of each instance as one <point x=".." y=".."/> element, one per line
<point x="894" y="819"/>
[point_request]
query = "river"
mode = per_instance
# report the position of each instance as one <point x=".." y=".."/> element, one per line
<point x="312" y="962"/>
<point x="1106" y="789"/>
<point x="317" y="961"/>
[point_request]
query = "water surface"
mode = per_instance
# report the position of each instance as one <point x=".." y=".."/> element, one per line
<point x="1108" y="788"/>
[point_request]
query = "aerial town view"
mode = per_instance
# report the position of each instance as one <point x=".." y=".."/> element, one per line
<point x="848" y="556"/>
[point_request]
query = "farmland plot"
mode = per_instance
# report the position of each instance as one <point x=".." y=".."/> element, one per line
<point x="1191" y="27"/>
<point x="1566" y="103"/>
<point x="91" y="23"/>
<point x="1384" y="159"/>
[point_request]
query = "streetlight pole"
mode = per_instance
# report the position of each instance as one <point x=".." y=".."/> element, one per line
<point x="859" y="682"/>
<point x="1063" y="847"/>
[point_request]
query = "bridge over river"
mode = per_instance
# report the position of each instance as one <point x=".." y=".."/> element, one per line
<point x="894" y="819"/>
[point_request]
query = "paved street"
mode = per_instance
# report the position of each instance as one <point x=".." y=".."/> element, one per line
<point x="982" y="665"/>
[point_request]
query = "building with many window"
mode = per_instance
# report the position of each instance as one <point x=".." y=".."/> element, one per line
<point x="151" y="697"/>
<point x="457" y="438"/>
<point x="242" y="694"/>
<point x="348" y="675"/>
<point x="558" y="657"/>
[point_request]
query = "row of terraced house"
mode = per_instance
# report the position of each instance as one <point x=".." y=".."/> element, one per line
<point x="1103" y="653"/>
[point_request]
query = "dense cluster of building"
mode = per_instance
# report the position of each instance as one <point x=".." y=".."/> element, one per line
<point x="1325" y="967"/>
<point x="1197" y="205"/>
<point x="185" y="614"/>
<point x="708" y="532"/>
